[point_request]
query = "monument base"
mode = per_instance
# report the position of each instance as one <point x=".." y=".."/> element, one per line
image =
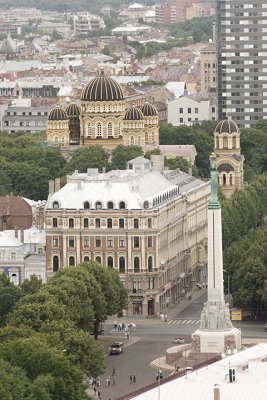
<point x="224" y="341"/>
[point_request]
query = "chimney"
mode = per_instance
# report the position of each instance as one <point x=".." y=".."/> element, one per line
<point x="57" y="184"/>
<point x="157" y="163"/>
<point x="216" y="392"/>
<point x="51" y="187"/>
<point x="21" y="235"/>
<point x="7" y="205"/>
<point x="16" y="231"/>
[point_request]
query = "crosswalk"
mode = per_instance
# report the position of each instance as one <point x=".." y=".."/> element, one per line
<point x="184" y="322"/>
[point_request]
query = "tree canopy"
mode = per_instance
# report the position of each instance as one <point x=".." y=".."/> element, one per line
<point x="46" y="331"/>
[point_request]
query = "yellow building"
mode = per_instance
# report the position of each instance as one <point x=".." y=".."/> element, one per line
<point x="102" y="119"/>
<point x="229" y="160"/>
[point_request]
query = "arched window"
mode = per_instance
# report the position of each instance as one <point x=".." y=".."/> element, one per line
<point x="86" y="259"/>
<point x="71" y="261"/>
<point x="109" y="222"/>
<point x="146" y="204"/>
<point x="110" y="205"/>
<point x="217" y="143"/>
<point x="136" y="264"/>
<point x="139" y="141"/>
<point x="122" y="265"/>
<point x="98" y="205"/>
<point x="132" y="141"/>
<point x="225" y="142"/>
<point x="231" y="180"/>
<point x="89" y="130"/>
<point x="121" y="223"/>
<point x="110" y="129"/>
<point x="150" y="264"/>
<point x="86" y="223"/>
<point x="55" y="205"/>
<point x="110" y="262"/>
<point x="98" y="129"/>
<point x="97" y="223"/>
<point x="122" y="205"/>
<point x="98" y="259"/>
<point x="55" y="263"/>
<point x="136" y="223"/>
<point x="146" y="137"/>
<point x="234" y="142"/>
<point x="149" y="222"/>
<point x="71" y="223"/>
<point x="224" y="179"/>
<point x="55" y="223"/>
<point x="86" y="205"/>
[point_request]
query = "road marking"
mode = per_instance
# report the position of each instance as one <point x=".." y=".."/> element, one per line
<point x="184" y="322"/>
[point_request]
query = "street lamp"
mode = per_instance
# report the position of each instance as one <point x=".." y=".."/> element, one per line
<point x="228" y="285"/>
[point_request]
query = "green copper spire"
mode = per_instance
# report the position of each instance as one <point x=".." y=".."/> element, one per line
<point x="214" y="202"/>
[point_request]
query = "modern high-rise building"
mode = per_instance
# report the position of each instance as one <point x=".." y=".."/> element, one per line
<point x="242" y="60"/>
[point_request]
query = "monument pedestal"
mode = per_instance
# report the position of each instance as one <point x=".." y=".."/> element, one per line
<point x="222" y="341"/>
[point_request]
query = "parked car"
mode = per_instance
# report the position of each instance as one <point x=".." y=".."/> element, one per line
<point x="178" y="340"/>
<point x="116" y="348"/>
<point x="265" y="327"/>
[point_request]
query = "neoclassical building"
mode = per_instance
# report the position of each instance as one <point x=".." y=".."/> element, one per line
<point x="229" y="160"/>
<point x="150" y="226"/>
<point x="102" y="118"/>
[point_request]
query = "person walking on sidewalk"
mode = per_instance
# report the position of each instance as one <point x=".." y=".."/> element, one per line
<point x="134" y="379"/>
<point x="131" y="379"/>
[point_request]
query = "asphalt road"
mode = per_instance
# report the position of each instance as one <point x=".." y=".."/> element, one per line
<point x="153" y="338"/>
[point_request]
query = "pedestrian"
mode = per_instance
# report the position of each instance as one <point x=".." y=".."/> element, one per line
<point x="115" y="324"/>
<point x="128" y="335"/>
<point x="98" y="394"/>
<point x="114" y="380"/>
<point x="114" y="371"/>
<point x="131" y="379"/>
<point x="94" y="389"/>
<point x="166" y="317"/>
<point x="134" y="379"/>
<point x="108" y="380"/>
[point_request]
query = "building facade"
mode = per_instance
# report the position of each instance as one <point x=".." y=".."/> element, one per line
<point x="103" y="119"/>
<point x="22" y="254"/>
<point x="208" y="68"/>
<point x="148" y="224"/>
<point x="229" y="160"/>
<point x="242" y="53"/>
<point x="187" y="111"/>
<point x="165" y="13"/>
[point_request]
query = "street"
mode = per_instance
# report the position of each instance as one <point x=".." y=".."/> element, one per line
<point x="150" y="340"/>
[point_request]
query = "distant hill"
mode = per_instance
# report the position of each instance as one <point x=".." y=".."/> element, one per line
<point x="68" y="5"/>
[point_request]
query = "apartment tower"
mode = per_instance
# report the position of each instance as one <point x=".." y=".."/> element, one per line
<point x="242" y="60"/>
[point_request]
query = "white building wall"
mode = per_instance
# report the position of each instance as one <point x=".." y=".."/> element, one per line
<point x="186" y="111"/>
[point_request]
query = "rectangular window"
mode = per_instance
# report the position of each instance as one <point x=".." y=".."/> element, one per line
<point x="196" y="110"/>
<point x="181" y="120"/>
<point x="149" y="241"/>
<point x="110" y="242"/>
<point x="13" y="256"/>
<point x="121" y="242"/>
<point x="55" y="241"/>
<point x="136" y="241"/>
<point x="189" y="110"/>
<point x="71" y="241"/>
<point x="121" y="223"/>
<point x="97" y="223"/>
<point x="149" y="223"/>
<point x="86" y="241"/>
<point x="181" y="110"/>
<point x="98" y="241"/>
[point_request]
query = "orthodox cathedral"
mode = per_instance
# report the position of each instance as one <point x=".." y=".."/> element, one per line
<point x="102" y="119"/>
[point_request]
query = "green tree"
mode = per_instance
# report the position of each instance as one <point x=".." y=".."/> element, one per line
<point x="9" y="296"/>
<point x="88" y="157"/>
<point x="177" y="162"/>
<point x="14" y="383"/>
<point x="30" y="286"/>
<point x="121" y="154"/>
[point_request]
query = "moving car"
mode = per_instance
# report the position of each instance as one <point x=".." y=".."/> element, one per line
<point x="116" y="348"/>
